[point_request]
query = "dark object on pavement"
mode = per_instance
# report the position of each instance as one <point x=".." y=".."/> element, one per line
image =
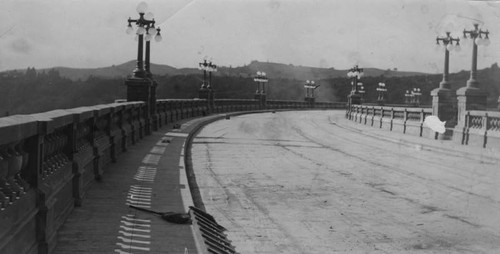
<point x="178" y="218"/>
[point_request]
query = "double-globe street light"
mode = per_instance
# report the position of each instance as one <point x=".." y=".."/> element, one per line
<point x="206" y="91"/>
<point x="471" y="97"/>
<point x="145" y="31"/>
<point x="476" y="36"/>
<point x="415" y="96"/>
<point x="355" y="74"/>
<point x="381" y="90"/>
<point x="207" y="67"/>
<point x="448" y="43"/>
<point x="141" y="86"/>
<point x="310" y="86"/>
<point x="260" y="94"/>
<point x="443" y="98"/>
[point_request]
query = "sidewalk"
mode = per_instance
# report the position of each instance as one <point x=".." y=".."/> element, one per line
<point x="443" y="146"/>
<point x="151" y="175"/>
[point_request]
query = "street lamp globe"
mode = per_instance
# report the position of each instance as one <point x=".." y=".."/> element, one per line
<point x="152" y="31"/>
<point x="158" y="37"/>
<point x="129" y="29"/>
<point x="142" y="7"/>
<point x="141" y="30"/>
<point x="149" y="16"/>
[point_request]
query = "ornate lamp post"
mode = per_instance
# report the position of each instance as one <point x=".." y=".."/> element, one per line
<point x="206" y="91"/>
<point x="260" y="94"/>
<point x="408" y="97"/>
<point x="141" y="86"/>
<point x="381" y="89"/>
<point x="415" y="95"/>
<point x="447" y="43"/>
<point x="471" y="97"/>
<point x="310" y="86"/>
<point x="362" y="92"/>
<point x="443" y="98"/>
<point x="145" y="27"/>
<point x="355" y="74"/>
<point x="204" y="67"/>
<point x="476" y="36"/>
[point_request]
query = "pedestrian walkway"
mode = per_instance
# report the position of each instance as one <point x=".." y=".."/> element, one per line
<point x="150" y="175"/>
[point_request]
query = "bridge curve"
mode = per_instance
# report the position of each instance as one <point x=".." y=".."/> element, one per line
<point x="296" y="182"/>
<point x="50" y="161"/>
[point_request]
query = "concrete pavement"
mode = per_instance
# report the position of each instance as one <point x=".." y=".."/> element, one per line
<point x="314" y="182"/>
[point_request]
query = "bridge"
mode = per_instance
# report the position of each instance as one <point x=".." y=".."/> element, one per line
<point x="141" y="176"/>
<point x="68" y="176"/>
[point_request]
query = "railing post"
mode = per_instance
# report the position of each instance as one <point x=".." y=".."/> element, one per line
<point x="392" y="119"/>
<point x="485" y="128"/>
<point x="405" y="119"/>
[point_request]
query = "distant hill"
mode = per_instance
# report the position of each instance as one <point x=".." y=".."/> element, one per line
<point x="273" y="70"/>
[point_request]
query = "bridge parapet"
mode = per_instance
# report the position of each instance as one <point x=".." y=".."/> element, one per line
<point x="48" y="161"/>
<point x="480" y="128"/>
<point x="402" y="119"/>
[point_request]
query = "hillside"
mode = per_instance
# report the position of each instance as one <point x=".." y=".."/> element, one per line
<point x="273" y="70"/>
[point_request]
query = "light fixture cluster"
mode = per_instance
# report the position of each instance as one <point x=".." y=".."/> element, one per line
<point x="478" y="36"/>
<point x="207" y="66"/>
<point x="145" y="24"/>
<point x="355" y="72"/>
<point x="261" y="77"/>
<point x="381" y="87"/>
<point x="310" y="84"/>
<point x="447" y="42"/>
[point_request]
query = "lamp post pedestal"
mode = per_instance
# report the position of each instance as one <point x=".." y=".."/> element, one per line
<point x="204" y="93"/>
<point x="352" y="99"/>
<point x="469" y="98"/>
<point x="143" y="90"/>
<point x="444" y="107"/>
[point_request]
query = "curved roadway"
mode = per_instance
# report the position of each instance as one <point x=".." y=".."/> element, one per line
<point x="311" y="182"/>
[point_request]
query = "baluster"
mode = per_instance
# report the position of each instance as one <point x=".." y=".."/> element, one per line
<point x="4" y="188"/>
<point x="15" y="163"/>
<point x="24" y="163"/>
<point x="8" y="189"/>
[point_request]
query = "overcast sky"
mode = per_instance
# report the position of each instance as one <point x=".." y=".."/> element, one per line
<point x="321" y="33"/>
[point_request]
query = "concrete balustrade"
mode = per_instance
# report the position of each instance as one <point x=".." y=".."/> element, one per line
<point x="48" y="161"/>
<point x="480" y="128"/>
<point x="400" y="119"/>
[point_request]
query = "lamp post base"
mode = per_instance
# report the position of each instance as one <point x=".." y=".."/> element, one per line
<point x="142" y="90"/>
<point x="444" y="106"/>
<point x="469" y="98"/>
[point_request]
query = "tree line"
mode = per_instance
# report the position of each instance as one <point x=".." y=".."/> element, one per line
<point x="32" y="91"/>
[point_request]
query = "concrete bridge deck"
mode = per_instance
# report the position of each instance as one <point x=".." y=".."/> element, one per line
<point x="296" y="182"/>
<point x="152" y="174"/>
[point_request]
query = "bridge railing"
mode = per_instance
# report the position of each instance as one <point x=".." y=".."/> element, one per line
<point x="481" y="128"/>
<point x="48" y="161"/>
<point x="402" y="119"/>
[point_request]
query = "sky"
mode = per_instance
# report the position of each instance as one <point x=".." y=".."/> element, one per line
<point x="319" y="33"/>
